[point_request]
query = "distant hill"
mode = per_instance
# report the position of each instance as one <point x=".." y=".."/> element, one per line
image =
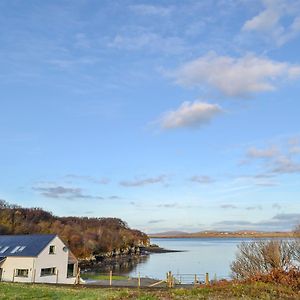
<point x="221" y="234"/>
<point x="169" y="233"/>
<point x="86" y="237"/>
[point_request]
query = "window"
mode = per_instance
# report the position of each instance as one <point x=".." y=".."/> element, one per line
<point x="4" y="249"/>
<point x="22" y="273"/>
<point x="48" y="271"/>
<point x="15" y="249"/>
<point x="70" y="272"/>
<point x="52" y="250"/>
<point x="21" y="248"/>
<point x="18" y="249"/>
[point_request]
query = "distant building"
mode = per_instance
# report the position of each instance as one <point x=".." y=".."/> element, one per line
<point x="41" y="258"/>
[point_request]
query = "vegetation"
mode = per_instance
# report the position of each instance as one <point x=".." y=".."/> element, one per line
<point x="269" y="260"/>
<point x="9" y="291"/>
<point x="86" y="237"/>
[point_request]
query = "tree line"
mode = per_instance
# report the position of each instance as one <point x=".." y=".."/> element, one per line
<point x="86" y="237"/>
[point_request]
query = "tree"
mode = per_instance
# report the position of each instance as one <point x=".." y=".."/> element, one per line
<point x="263" y="257"/>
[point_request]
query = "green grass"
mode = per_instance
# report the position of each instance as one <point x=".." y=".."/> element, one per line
<point x="15" y="291"/>
<point x="103" y="277"/>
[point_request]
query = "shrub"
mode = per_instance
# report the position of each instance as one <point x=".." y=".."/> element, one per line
<point x="263" y="257"/>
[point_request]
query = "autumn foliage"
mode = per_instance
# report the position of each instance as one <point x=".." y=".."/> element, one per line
<point x="289" y="278"/>
<point x="86" y="237"/>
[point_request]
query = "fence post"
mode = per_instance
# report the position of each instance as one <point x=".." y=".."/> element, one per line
<point x="139" y="280"/>
<point x="110" y="278"/>
<point x="169" y="276"/>
<point x="56" y="276"/>
<point x="78" y="276"/>
<point x="206" y="279"/>
<point x="195" y="280"/>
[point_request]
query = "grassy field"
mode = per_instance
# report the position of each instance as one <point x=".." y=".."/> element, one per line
<point x="103" y="277"/>
<point x="232" y="291"/>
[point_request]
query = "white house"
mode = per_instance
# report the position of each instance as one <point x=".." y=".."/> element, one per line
<point x="36" y="258"/>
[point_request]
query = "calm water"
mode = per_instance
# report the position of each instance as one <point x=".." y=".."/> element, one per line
<point x="200" y="255"/>
<point x="212" y="255"/>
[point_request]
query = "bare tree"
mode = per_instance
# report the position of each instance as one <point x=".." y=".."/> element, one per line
<point x="262" y="257"/>
<point x="296" y="244"/>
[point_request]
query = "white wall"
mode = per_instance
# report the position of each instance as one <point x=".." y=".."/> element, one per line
<point x="59" y="260"/>
<point x="13" y="263"/>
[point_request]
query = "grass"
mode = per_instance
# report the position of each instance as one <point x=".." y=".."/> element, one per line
<point x="103" y="277"/>
<point x="263" y="291"/>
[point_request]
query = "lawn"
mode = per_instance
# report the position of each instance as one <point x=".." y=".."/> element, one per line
<point x="232" y="291"/>
<point x="103" y="277"/>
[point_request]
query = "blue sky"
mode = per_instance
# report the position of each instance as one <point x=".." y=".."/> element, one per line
<point x="168" y="114"/>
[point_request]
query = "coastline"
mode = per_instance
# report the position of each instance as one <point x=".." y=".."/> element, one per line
<point x="226" y="235"/>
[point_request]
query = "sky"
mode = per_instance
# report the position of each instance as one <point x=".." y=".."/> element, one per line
<point x="171" y="115"/>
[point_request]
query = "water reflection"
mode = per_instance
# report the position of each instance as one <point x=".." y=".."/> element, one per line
<point x="118" y="265"/>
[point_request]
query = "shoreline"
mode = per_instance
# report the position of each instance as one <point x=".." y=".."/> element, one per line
<point x="157" y="249"/>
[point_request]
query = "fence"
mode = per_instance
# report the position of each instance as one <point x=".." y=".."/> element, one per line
<point x="171" y="280"/>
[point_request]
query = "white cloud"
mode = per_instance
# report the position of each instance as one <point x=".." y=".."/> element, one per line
<point x="235" y="77"/>
<point x="272" y="21"/>
<point x="190" y="114"/>
<point x="276" y="160"/>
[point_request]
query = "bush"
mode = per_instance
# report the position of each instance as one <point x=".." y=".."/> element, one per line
<point x="290" y="278"/>
<point x="263" y="257"/>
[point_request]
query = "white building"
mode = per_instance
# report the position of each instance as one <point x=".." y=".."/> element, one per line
<point x="36" y="258"/>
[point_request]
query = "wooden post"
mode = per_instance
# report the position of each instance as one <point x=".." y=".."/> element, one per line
<point x="57" y="276"/>
<point x="139" y="280"/>
<point x="195" y="279"/>
<point x="110" y="278"/>
<point x="206" y="279"/>
<point x="77" y="281"/>
<point x="14" y="275"/>
<point x="170" y="279"/>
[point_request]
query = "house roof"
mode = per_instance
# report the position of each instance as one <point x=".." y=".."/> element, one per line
<point x="24" y="245"/>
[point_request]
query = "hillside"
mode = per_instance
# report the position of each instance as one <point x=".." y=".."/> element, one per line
<point x="86" y="237"/>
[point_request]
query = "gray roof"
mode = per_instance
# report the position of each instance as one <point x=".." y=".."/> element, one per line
<point x="24" y="245"/>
